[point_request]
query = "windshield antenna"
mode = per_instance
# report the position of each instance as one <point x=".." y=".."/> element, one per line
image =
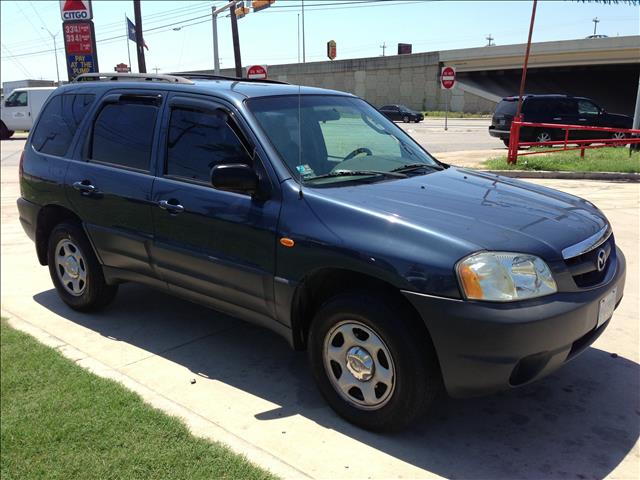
<point x="300" y="167"/>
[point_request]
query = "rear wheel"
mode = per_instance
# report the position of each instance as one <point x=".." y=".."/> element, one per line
<point x="75" y="270"/>
<point x="543" y="136"/>
<point x="372" y="364"/>
<point x="405" y="119"/>
<point x="506" y="142"/>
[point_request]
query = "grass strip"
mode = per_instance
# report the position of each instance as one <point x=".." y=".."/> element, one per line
<point x="61" y="422"/>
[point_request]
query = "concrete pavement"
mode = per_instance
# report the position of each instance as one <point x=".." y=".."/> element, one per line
<point x="255" y="394"/>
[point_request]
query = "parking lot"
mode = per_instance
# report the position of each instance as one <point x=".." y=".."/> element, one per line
<point x="244" y="383"/>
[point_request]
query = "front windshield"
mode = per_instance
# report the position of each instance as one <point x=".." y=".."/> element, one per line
<point x="341" y="137"/>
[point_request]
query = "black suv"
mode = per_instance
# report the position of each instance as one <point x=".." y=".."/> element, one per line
<point x="561" y="109"/>
<point x="308" y="212"/>
<point x="401" y="113"/>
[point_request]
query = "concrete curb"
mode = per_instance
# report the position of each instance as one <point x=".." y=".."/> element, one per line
<point x="197" y="425"/>
<point x="606" y="176"/>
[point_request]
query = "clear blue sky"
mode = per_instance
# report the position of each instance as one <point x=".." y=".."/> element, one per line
<point x="270" y="36"/>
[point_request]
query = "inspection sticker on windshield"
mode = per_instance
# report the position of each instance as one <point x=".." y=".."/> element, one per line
<point x="606" y="307"/>
<point x="305" y="170"/>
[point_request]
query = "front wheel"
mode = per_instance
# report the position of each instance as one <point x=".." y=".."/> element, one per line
<point x="75" y="270"/>
<point x="618" y="136"/>
<point x="5" y="133"/>
<point x="543" y="136"/>
<point x="371" y="363"/>
<point x="405" y="119"/>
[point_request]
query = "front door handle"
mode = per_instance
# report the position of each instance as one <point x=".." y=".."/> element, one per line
<point x="557" y="118"/>
<point x="171" y="206"/>
<point x="85" y="187"/>
<point x="582" y="119"/>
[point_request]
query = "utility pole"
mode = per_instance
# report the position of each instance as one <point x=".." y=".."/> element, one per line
<point x="595" y="24"/>
<point x="236" y="40"/>
<point x="142" y="66"/>
<point x="214" y="26"/>
<point x="489" y="39"/>
<point x="304" y="56"/>
<point x="298" y="38"/>
<point x="55" y="51"/>
<point x="155" y="69"/>
<point x="383" y="47"/>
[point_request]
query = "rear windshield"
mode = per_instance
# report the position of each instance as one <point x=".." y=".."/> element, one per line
<point x="507" y="107"/>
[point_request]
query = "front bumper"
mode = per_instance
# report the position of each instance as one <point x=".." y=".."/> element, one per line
<point x="484" y="347"/>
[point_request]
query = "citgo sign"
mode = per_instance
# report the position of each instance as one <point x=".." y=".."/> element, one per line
<point x="75" y="10"/>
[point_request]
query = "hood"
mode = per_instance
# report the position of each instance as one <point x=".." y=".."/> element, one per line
<point x="479" y="211"/>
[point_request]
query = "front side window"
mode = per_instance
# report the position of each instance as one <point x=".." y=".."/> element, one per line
<point x="325" y="138"/>
<point x="123" y="134"/>
<point x="59" y="122"/>
<point x="585" y="107"/>
<point x="565" y="106"/>
<point x="198" y="141"/>
<point x="17" y="99"/>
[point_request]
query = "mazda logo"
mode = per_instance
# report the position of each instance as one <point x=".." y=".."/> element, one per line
<point x="602" y="259"/>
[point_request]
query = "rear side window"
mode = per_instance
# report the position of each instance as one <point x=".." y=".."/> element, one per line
<point x="200" y="140"/>
<point x="506" y="107"/>
<point x="59" y="121"/>
<point x="123" y="134"/>
<point x="565" y="106"/>
<point x="538" y="106"/>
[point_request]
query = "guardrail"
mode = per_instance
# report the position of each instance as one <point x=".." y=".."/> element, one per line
<point x="629" y="137"/>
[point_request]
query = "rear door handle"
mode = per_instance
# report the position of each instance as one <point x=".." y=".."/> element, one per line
<point x="84" y="187"/>
<point x="171" y="206"/>
<point x="582" y="119"/>
<point x="557" y="118"/>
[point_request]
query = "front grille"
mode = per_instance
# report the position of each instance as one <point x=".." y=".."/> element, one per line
<point x="584" y="268"/>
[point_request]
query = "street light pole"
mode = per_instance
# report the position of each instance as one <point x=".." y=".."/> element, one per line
<point x="214" y="27"/>
<point x="304" y="52"/>
<point x="236" y="40"/>
<point x="55" y="51"/>
<point x="595" y="24"/>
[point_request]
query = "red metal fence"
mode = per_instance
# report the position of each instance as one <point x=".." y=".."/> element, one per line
<point x="626" y="136"/>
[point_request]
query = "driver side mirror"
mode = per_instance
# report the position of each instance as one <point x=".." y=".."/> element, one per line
<point x="235" y="177"/>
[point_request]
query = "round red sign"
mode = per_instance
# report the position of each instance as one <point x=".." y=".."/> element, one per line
<point x="448" y="77"/>
<point x="256" y="71"/>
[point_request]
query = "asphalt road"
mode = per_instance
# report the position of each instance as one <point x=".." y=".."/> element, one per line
<point x="256" y="395"/>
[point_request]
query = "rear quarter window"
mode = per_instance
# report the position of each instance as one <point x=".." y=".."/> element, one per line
<point x="506" y="107"/>
<point x="59" y="122"/>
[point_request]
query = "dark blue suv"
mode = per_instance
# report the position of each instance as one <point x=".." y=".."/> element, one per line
<point x="308" y="212"/>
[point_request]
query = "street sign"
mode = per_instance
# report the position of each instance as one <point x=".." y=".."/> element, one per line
<point x="257" y="71"/>
<point x="404" y="48"/>
<point x="80" y="48"/>
<point x="122" y="68"/>
<point x="75" y="10"/>
<point x="447" y="78"/>
<point x="331" y="49"/>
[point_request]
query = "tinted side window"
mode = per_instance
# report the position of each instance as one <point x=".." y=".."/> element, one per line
<point x="587" y="107"/>
<point x="58" y="123"/>
<point x="123" y="133"/>
<point x="17" y="99"/>
<point x="565" y="106"/>
<point x="200" y="140"/>
<point x="537" y="106"/>
<point x="507" y="107"/>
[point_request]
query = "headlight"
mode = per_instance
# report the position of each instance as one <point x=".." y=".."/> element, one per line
<point x="504" y="277"/>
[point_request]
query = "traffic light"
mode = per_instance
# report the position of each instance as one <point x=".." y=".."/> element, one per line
<point x="241" y="10"/>
<point x="261" y="4"/>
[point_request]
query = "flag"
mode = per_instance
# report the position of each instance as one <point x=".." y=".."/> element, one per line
<point x="131" y="32"/>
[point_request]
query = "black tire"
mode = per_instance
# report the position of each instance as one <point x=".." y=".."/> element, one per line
<point x="405" y="119"/>
<point x="506" y="142"/>
<point x="417" y="379"/>
<point x="5" y="133"/>
<point x="95" y="294"/>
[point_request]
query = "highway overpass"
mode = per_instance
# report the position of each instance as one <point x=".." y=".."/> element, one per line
<point x="605" y="69"/>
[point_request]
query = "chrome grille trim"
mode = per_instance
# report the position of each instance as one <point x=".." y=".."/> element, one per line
<point x="588" y="244"/>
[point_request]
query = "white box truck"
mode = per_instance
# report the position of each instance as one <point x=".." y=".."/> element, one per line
<point x="21" y="108"/>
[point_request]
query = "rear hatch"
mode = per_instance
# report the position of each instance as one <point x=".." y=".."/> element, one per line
<point x="505" y="111"/>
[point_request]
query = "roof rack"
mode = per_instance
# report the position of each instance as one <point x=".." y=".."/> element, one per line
<point x="209" y="76"/>
<point x="130" y="77"/>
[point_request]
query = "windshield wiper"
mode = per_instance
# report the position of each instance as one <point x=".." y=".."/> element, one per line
<point x="358" y="173"/>
<point x="416" y="166"/>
